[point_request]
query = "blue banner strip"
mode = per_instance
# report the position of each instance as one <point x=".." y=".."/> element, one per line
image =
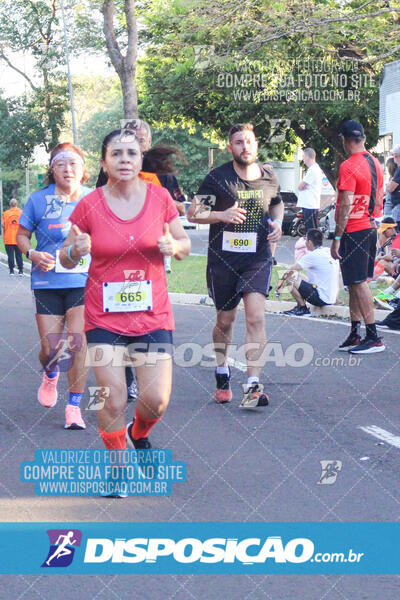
<point x="218" y="548"/>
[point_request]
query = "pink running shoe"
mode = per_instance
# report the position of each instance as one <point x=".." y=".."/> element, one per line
<point x="73" y="418"/>
<point x="47" y="393"/>
<point x="223" y="391"/>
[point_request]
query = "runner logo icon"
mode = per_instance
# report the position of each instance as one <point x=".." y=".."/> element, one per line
<point x="329" y="471"/>
<point x="62" y="547"/>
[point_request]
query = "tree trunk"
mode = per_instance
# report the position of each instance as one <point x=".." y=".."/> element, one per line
<point x="125" y="66"/>
<point x="129" y="94"/>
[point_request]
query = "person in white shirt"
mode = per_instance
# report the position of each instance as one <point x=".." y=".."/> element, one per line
<point x="309" y="196"/>
<point x="322" y="270"/>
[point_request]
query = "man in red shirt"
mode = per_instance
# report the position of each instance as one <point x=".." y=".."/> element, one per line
<point x="360" y="199"/>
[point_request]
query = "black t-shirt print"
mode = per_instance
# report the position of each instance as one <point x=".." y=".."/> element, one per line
<point x="255" y="196"/>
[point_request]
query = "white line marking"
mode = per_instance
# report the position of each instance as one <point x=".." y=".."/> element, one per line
<point x="231" y="362"/>
<point x="382" y="434"/>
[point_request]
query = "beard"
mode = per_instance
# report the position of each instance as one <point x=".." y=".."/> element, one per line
<point x="245" y="162"/>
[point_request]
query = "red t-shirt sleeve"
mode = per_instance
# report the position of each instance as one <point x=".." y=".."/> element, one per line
<point x="347" y="181"/>
<point x="79" y="215"/>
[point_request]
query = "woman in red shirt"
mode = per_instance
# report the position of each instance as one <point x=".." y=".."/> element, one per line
<point x="128" y="226"/>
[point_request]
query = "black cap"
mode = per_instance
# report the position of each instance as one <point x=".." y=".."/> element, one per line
<point x="351" y="129"/>
<point x="389" y="220"/>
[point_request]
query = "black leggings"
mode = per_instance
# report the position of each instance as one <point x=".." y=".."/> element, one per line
<point x="11" y="249"/>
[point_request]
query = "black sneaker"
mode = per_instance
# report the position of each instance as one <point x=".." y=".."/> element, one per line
<point x="223" y="391"/>
<point x="140" y="444"/>
<point x="352" y="341"/>
<point x="297" y="311"/>
<point x="369" y="346"/>
<point x="393" y="304"/>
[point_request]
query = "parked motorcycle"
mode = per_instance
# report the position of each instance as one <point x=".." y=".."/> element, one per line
<point x="298" y="226"/>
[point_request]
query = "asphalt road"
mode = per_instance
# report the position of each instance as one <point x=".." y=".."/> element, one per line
<point x="252" y="465"/>
<point x="284" y="251"/>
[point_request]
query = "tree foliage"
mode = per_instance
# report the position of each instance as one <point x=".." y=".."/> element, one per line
<point x="37" y="35"/>
<point x="198" y="58"/>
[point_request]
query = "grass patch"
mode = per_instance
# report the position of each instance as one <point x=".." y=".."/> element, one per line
<point x="189" y="277"/>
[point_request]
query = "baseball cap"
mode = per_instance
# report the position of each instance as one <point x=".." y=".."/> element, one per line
<point x="395" y="149"/>
<point x="351" y="129"/>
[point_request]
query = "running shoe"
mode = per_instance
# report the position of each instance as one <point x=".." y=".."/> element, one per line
<point x="21" y="274"/>
<point x="133" y="392"/>
<point x="393" y="304"/>
<point x="383" y="299"/>
<point x="223" y="392"/>
<point x="369" y="346"/>
<point x="352" y="341"/>
<point x="140" y="444"/>
<point x="117" y="486"/>
<point x="297" y="311"/>
<point x="382" y="325"/>
<point x="253" y="395"/>
<point x="47" y="393"/>
<point x="73" y="418"/>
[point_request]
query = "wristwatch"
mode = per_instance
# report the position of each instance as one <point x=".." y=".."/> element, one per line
<point x="28" y="253"/>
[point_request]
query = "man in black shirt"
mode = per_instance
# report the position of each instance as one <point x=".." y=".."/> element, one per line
<point x="240" y="200"/>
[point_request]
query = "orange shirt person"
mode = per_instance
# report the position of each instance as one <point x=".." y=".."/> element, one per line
<point x="10" y="223"/>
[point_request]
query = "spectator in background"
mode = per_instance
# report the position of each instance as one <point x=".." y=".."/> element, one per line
<point x="322" y="270"/>
<point x="391" y="167"/>
<point x="388" y="257"/>
<point x="394" y="187"/>
<point x="310" y="190"/>
<point x="360" y="198"/>
<point x="10" y="224"/>
<point x="392" y="321"/>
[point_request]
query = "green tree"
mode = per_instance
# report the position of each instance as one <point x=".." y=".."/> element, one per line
<point x="220" y="63"/>
<point x="37" y="35"/>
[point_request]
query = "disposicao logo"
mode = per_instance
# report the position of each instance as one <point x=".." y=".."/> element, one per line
<point x="62" y="547"/>
<point x="190" y="550"/>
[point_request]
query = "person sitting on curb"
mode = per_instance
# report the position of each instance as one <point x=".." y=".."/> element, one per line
<point x="390" y="261"/>
<point x="392" y="321"/>
<point x="390" y="297"/>
<point x="322" y="270"/>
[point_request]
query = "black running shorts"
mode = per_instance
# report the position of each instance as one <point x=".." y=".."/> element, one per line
<point x="358" y="251"/>
<point x="159" y="340"/>
<point x="57" y="302"/>
<point x="226" y="286"/>
<point x="309" y="292"/>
